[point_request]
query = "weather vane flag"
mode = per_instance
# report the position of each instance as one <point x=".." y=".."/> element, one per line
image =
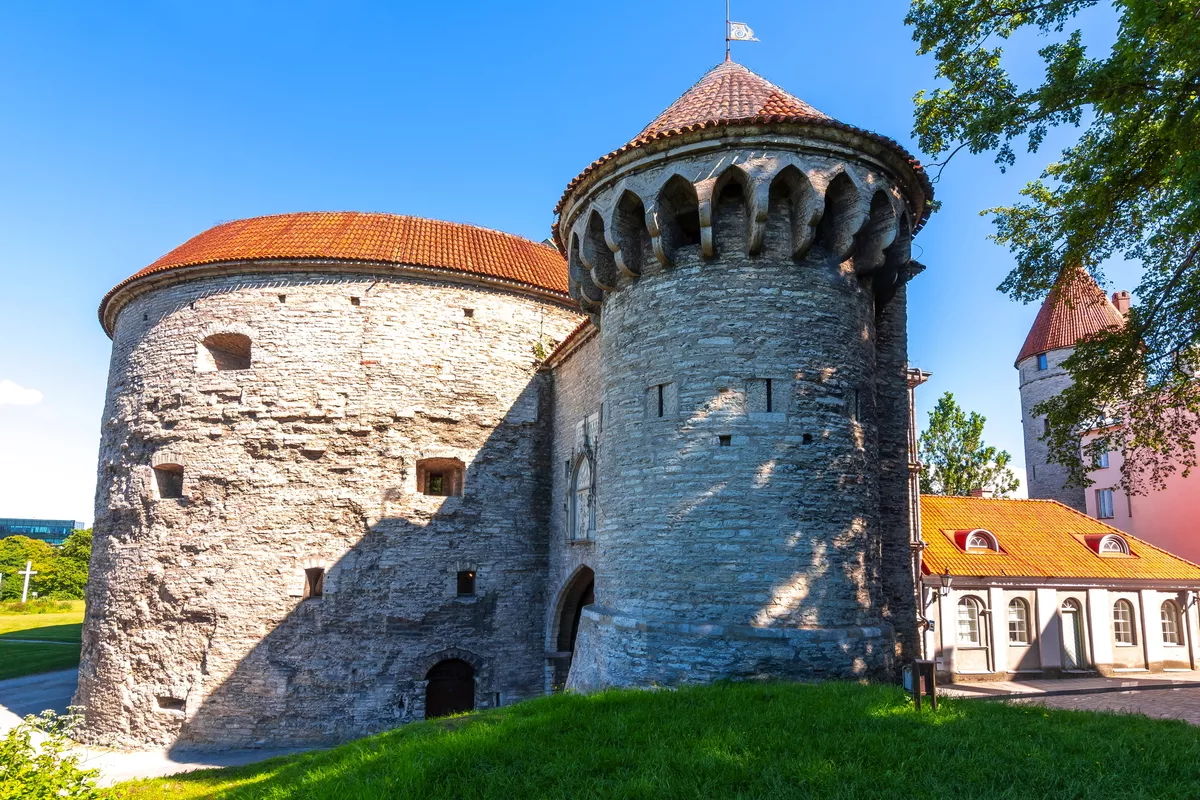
<point x="736" y="31"/>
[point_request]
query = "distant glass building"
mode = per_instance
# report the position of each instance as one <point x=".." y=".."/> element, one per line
<point x="54" y="531"/>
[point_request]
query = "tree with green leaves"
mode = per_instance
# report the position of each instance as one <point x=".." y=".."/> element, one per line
<point x="69" y="572"/>
<point x="954" y="459"/>
<point x="1129" y="186"/>
<point x="15" y="551"/>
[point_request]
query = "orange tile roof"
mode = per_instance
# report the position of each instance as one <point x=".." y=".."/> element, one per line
<point x="379" y="238"/>
<point x="1040" y="539"/>
<point x="730" y="93"/>
<point x="1075" y="309"/>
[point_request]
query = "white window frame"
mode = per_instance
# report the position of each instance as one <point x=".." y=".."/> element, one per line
<point x="1124" y="630"/>
<point x="1021" y="620"/>
<point x="970" y="623"/>
<point x="1104" y="504"/>
<point x="1169" y="613"/>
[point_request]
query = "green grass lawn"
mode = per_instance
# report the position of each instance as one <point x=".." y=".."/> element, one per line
<point x="772" y="740"/>
<point x="19" y="658"/>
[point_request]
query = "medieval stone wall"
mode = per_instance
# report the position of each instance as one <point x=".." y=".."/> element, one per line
<point x="578" y="435"/>
<point x="198" y="630"/>
<point x="1046" y="481"/>
<point x="740" y="524"/>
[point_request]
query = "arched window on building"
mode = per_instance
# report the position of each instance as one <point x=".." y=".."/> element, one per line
<point x="224" y="351"/>
<point x="1172" y="623"/>
<point x="583" y="504"/>
<point x="1018" y="621"/>
<point x="970" y="631"/>
<point x="1124" y="626"/>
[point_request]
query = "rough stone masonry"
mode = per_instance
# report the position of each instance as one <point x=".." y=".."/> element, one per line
<point x="342" y="486"/>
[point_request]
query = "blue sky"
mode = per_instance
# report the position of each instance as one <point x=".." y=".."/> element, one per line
<point x="129" y="127"/>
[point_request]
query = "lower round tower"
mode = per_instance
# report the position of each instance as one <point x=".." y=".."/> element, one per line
<point x="745" y="260"/>
<point x="319" y="510"/>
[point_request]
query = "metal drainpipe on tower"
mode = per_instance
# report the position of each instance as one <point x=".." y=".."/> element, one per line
<point x="916" y="377"/>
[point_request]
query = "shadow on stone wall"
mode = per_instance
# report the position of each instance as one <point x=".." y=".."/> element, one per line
<point x="354" y="661"/>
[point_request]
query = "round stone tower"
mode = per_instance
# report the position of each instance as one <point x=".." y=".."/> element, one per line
<point x="319" y="512"/>
<point x="745" y="260"/>
<point x="1075" y="308"/>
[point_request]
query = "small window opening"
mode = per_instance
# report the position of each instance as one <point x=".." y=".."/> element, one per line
<point x="808" y="439"/>
<point x="170" y="481"/>
<point x="171" y="703"/>
<point x="283" y="298"/>
<point x="1045" y="426"/>
<point x="224" y="351"/>
<point x="1102" y="461"/>
<point x="355" y="301"/>
<point x="468" y="312"/>
<point x="440" y="477"/>
<point x="770" y="397"/>
<point x="1104" y="505"/>
<point x="145" y="317"/>
<point x="1042" y="363"/>
<point x="466" y="583"/>
<point x="725" y="440"/>
<point x="855" y="407"/>
<point x="661" y="400"/>
<point x="314" y="582"/>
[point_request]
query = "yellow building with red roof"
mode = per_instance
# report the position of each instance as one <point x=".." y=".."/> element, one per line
<point x="1036" y="587"/>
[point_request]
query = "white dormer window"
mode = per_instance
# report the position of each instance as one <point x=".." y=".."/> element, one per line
<point x="981" y="540"/>
<point x="1113" y="545"/>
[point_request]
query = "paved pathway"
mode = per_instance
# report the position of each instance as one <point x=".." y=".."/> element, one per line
<point x="52" y="690"/>
<point x="1165" y="695"/>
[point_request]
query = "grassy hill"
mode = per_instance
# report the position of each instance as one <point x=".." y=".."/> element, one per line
<point x="771" y="740"/>
<point x="39" y="638"/>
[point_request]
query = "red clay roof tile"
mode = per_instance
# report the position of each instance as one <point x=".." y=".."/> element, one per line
<point x="1075" y="309"/>
<point x="1039" y="539"/>
<point x="730" y="93"/>
<point x="379" y="238"/>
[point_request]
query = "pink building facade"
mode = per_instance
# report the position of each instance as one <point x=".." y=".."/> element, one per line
<point x="1169" y="518"/>
<point x="1075" y="309"/>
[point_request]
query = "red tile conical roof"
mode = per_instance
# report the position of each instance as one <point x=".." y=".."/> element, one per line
<point x="1075" y="308"/>
<point x="731" y="94"/>
<point x="365" y="237"/>
<point x="729" y="91"/>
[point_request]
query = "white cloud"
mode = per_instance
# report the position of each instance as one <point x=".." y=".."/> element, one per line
<point x="12" y="394"/>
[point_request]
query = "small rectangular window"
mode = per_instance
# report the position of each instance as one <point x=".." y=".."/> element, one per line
<point x="1045" y="426"/>
<point x="354" y="301"/>
<point x="170" y="481"/>
<point x="283" y="298"/>
<point x="725" y="441"/>
<point x="761" y="395"/>
<point x="435" y="484"/>
<point x="466" y="583"/>
<point x="171" y="703"/>
<point x="662" y="401"/>
<point x="770" y="398"/>
<point x="468" y="312"/>
<point x="314" y="582"/>
<point x="1104" y="503"/>
<point x="1042" y="363"/>
<point x="1102" y="461"/>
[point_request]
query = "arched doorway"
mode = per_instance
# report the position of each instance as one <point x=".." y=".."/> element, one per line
<point x="450" y="688"/>
<point x="1073" y="657"/>
<point x="579" y="592"/>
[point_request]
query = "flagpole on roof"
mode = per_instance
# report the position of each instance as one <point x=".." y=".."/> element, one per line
<point x="727" y="30"/>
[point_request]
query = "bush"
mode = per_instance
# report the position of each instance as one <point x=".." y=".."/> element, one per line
<point x="43" y="770"/>
<point x="41" y="605"/>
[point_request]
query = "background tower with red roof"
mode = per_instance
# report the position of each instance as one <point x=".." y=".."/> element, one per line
<point x="1075" y="309"/>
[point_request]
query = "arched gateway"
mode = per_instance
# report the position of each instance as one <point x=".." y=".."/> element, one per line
<point x="450" y="688"/>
